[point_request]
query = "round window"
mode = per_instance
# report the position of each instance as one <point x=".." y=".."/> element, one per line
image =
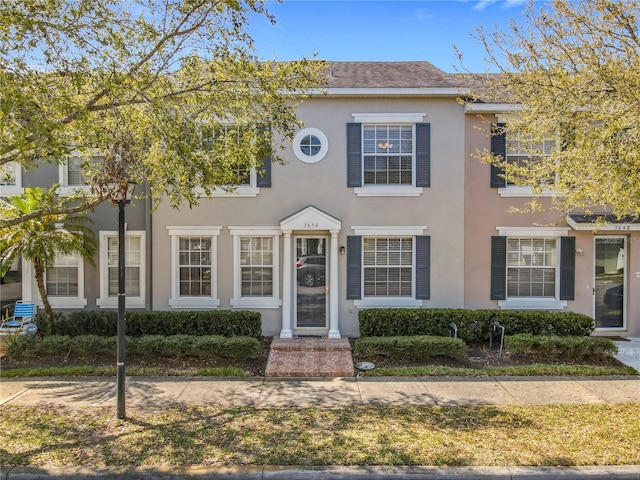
<point x="310" y="145"/>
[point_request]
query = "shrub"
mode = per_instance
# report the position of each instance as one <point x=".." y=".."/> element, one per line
<point x="416" y="348"/>
<point x="177" y="346"/>
<point x="474" y="326"/>
<point x="554" y="346"/>
<point x="228" y="323"/>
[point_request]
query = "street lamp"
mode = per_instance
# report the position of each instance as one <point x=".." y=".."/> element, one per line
<point x="121" y="194"/>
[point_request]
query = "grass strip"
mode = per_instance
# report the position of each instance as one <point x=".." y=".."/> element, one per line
<point x="131" y="371"/>
<point x="534" y="370"/>
<point x="368" y="435"/>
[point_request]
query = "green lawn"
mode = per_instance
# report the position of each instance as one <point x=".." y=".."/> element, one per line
<point x="488" y="435"/>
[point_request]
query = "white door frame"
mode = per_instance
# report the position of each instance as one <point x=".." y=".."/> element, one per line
<point x="624" y="280"/>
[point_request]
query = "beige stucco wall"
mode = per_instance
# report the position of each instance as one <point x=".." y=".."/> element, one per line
<point x="297" y="185"/>
<point x="485" y="209"/>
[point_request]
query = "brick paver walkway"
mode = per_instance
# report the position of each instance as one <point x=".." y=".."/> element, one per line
<point x="310" y="357"/>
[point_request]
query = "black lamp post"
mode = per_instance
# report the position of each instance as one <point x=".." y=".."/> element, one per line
<point x="121" y="194"/>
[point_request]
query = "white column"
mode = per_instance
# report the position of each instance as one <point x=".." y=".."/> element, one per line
<point x="286" y="288"/>
<point x="334" y="328"/>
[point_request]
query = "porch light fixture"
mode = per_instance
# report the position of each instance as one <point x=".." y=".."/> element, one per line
<point x="342" y="250"/>
<point x="121" y="194"/>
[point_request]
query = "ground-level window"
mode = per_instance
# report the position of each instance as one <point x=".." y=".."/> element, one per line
<point x="193" y="267"/>
<point x="532" y="267"/>
<point x="134" y="259"/>
<point x="388" y="267"/>
<point x="255" y="259"/>
<point x="64" y="282"/>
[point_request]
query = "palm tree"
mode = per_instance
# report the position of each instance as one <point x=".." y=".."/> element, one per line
<point x="39" y="240"/>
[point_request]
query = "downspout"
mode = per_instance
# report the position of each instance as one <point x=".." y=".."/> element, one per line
<point x="148" y="227"/>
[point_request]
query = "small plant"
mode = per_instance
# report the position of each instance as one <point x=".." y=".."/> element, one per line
<point x="564" y="347"/>
<point x="415" y="348"/>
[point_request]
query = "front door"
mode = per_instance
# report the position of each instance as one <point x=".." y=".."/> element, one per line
<point x="311" y="282"/>
<point x="609" y="283"/>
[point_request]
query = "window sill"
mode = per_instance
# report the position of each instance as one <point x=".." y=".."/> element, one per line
<point x="194" y="302"/>
<point x="515" y="191"/>
<point x="68" y="191"/>
<point x="8" y="190"/>
<point x="388" y="191"/>
<point x="532" y="304"/>
<point x="256" y="302"/>
<point x="388" y="302"/>
<point x="112" y="302"/>
<point x="239" y="191"/>
<point x="66" y="302"/>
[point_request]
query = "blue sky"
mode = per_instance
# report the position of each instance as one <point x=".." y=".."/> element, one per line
<point x="384" y="30"/>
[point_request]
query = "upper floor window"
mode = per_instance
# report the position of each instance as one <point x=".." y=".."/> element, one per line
<point x="310" y="145"/>
<point x="244" y="180"/>
<point x="521" y="150"/>
<point x="388" y="154"/>
<point x="74" y="173"/>
<point x="11" y="179"/>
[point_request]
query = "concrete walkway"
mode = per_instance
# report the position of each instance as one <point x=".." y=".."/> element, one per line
<point x="153" y="393"/>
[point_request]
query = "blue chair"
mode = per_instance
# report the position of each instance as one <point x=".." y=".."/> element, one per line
<point x="21" y="321"/>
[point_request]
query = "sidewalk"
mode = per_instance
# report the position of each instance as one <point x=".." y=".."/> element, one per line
<point x="153" y="393"/>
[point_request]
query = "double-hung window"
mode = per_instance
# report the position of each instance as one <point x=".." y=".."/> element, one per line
<point x="134" y="269"/>
<point x="74" y="173"/>
<point x="255" y="267"/>
<point x="388" y="267"/>
<point x="520" y="150"/>
<point x="11" y="179"/>
<point x="64" y="282"/>
<point x="246" y="181"/>
<point x="193" y="267"/>
<point x="532" y="267"/>
<point x="388" y="154"/>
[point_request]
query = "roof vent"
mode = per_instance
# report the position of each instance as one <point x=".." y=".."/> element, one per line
<point x="331" y="72"/>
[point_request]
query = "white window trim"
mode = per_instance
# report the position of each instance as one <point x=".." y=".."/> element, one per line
<point x="523" y="303"/>
<point x="391" y="190"/>
<point x="9" y="190"/>
<point x="105" y="301"/>
<point x="177" y="301"/>
<point x="78" y="301"/>
<point x="251" y="190"/>
<point x="238" y="301"/>
<point x="324" y="145"/>
<point x="65" y="189"/>
<point x="388" y="117"/>
<point x="391" y="231"/>
<point x="519" y="191"/>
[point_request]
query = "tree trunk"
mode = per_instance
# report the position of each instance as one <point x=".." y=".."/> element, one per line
<point x="43" y="294"/>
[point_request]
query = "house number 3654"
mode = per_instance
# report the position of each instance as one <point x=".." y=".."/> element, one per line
<point x="311" y="225"/>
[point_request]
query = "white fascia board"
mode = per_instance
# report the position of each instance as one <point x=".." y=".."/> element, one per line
<point x="429" y="91"/>
<point x="492" y="107"/>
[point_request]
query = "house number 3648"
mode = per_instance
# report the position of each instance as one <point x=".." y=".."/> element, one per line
<point x="311" y="225"/>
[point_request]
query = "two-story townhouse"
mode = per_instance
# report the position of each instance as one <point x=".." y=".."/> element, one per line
<point x="544" y="260"/>
<point x="380" y="203"/>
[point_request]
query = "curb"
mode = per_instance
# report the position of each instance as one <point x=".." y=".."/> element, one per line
<point x="624" y="472"/>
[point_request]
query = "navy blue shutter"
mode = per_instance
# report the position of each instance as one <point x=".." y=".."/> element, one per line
<point x="264" y="171"/>
<point x="567" y="268"/>
<point x="354" y="267"/>
<point x="498" y="268"/>
<point x="423" y="267"/>
<point x="498" y="147"/>
<point x="423" y="154"/>
<point x="354" y="154"/>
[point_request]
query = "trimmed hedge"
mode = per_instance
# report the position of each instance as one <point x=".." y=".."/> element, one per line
<point x="227" y="323"/>
<point x="553" y="346"/>
<point x="176" y="346"/>
<point x="474" y="326"/>
<point x="419" y="347"/>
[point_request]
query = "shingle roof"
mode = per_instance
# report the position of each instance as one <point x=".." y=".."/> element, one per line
<point x="388" y="75"/>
